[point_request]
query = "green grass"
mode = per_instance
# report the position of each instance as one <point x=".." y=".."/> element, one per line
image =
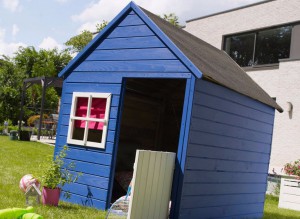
<point x="18" y="158"/>
<point x="272" y="211"/>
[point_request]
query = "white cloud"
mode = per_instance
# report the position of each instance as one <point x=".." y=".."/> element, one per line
<point x="8" y="48"/>
<point x="188" y="9"/>
<point x="15" y="30"/>
<point x="62" y="1"/>
<point x="12" y="5"/>
<point x="49" y="43"/>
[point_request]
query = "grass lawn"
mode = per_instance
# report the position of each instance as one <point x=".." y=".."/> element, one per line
<point x="18" y="158"/>
<point x="273" y="212"/>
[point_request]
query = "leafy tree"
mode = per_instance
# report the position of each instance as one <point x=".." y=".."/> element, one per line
<point x="172" y="18"/>
<point x="10" y="90"/>
<point x="41" y="63"/>
<point x="77" y="43"/>
<point x="27" y="63"/>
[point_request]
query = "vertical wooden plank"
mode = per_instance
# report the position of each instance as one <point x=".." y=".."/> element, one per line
<point x="182" y="147"/>
<point x="159" y="189"/>
<point x="156" y="177"/>
<point x="152" y="181"/>
<point x="149" y="185"/>
<point x="168" y="176"/>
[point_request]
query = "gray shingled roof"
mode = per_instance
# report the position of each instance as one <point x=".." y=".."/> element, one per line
<point x="215" y="64"/>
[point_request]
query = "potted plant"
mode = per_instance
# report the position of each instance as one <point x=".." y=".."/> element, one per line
<point x="56" y="173"/>
<point x="25" y="134"/>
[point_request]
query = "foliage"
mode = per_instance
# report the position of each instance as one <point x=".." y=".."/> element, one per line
<point x="11" y="79"/>
<point x="77" y="43"/>
<point x="101" y="26"/>
<point x="58" y="173"/>
<point x="31" y="120"/>
<point x="293" y="168"/>
<point x="28" y="62"/>
<point x="172" y="18"/>
<point x="41" y="63"/>
<point x="23" y="158"/>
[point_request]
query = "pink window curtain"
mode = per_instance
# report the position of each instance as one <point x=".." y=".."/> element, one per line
<point x="97" y="111"/>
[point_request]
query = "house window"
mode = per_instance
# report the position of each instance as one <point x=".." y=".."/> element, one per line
<point x="259" y="47"/>
<point x="88" y="119"/>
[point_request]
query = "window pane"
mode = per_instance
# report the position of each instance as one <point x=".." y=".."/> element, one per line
<point x="78" y="130"/>
<point x="95" y="135"/>
<point x="272" y="45"/>
<point x="240" y="48"/>
<point x="98" y="108"/>
<point x="96" y="125"/>
<point x="81" y="108"/>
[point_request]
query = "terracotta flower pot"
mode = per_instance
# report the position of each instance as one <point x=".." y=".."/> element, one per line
<point x="50" y="196"/>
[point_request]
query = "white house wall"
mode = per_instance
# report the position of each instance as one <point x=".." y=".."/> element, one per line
<point x="282" y="83"/>
<point x="211" y="29"/>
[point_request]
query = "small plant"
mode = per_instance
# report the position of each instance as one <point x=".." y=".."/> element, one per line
<point x="293" y="168"/>
<point x="57" y="173"/>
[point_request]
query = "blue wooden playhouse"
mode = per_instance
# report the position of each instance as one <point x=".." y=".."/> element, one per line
<point x="145" y="84"/>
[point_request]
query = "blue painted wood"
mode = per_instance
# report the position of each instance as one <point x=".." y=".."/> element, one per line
<point x="230" y="142"/>
<point x="85" y="201"/>
<point x="202" y="125"/>
<point x="166" y="40"/>
<point x="87" y="155"/>
<point x="131" y="54"/>
<point x="110" y="136"/>
<point x="221" y="104"/>
<point x="62" y="140"/>
<point x="226" y="153"/>
<point x="59" y="126"/>
<point x="93" y="180"/>
<point x="131" y="20"/>
<point x="212" y="200"/>
<point x="90" y="168"/>
<point x="160" y="66"/>
<point x="131" y="43"/>
<point x="231" y="211"/>
<point x="212" y="176"/>
<point x="199" y="163"/>
<point x="117" y="77"/>
<point x="216" y="189"/>
<point x="88" y="87"/>
<point x="235" y="97"/>
<point x="131" y="31"/>
<point x="86" y="191"/>
<point x="115" y="149"/>
<point x="254" y="215"/>
<point x="182" y="148"/>
<point x="204" y="112"/>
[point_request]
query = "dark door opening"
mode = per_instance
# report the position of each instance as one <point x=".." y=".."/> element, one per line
<point x="151" y="120"/>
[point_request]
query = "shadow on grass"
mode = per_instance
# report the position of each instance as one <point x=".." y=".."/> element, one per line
<point x="268" y="215"/>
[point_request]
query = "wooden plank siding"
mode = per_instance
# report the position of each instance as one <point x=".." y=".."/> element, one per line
<point x="228" y="155"/>
<point x="131" y="50"/>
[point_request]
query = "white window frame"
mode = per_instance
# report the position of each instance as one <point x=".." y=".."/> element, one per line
<point x="85" y="142"/>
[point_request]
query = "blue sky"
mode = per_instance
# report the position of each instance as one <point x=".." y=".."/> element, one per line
<point x="50" y="23"/>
